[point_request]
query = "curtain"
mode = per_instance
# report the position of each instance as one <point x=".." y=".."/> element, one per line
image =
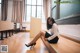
<point x="47" y="8"/>
<point x="4" y="10"/>
<point x="18" y="11"/>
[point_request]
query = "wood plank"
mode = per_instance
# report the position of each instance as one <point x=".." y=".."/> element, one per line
<point x="16" y="44"/>
<point x="66" y="46"/>
<point x="51" y="50"/>
<point x="6" y="25"/>
<point x="71" y="38"/>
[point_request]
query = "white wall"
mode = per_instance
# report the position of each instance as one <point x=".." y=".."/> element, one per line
<point x="72" y="31"/>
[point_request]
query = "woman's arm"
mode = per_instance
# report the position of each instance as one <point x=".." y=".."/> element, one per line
<point x="55" y="32"/>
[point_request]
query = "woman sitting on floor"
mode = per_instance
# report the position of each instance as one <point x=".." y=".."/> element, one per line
<point x="51" y="35"/>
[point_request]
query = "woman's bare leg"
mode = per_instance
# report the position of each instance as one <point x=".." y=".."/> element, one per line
<point x="41" y="33"/>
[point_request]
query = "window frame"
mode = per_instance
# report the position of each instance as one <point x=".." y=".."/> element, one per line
<point x="36" y="15"/>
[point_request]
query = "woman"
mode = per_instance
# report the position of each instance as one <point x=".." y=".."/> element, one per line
<point x="51" y="35"/>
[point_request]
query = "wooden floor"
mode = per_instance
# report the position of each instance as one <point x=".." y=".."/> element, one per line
<point x="65" y="45"/>
<point x="16" y="44"/>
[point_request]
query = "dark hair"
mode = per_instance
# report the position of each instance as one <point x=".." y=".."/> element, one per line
<point x="49" y="26"/>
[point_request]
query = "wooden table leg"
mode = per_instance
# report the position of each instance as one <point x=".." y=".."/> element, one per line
<point x="12" y="32"/>
<point x="6" y="34"/>
<point x="9" y="34"/>
<point x="1" y="35"/>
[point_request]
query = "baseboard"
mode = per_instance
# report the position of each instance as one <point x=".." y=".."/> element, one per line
<point x="70" y="38"/>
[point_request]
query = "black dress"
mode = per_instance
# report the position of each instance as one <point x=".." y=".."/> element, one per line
<point x="55" y="40"/>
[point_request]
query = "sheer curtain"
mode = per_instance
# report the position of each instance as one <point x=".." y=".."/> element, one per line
<point x="47" y="8"/>
<point x="18" y="11"/>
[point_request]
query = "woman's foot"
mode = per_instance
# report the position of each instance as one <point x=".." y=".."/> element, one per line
<point x="30" y="44"/>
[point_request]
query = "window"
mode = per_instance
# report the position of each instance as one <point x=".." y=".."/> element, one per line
<point x="39" y="11"/>
<point x="0" y="9"/>
<point x="28" y="10"/>
<point x="28" y="1"/>
<point x="39" y="2"/>
<point x="53" y="9"/>
<point x="54" y="13"/>
<point x="0" y="1"/>
<point x="33" y="8"/>
<point x="33" y="11"/>
<point x="34" y="2"/>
